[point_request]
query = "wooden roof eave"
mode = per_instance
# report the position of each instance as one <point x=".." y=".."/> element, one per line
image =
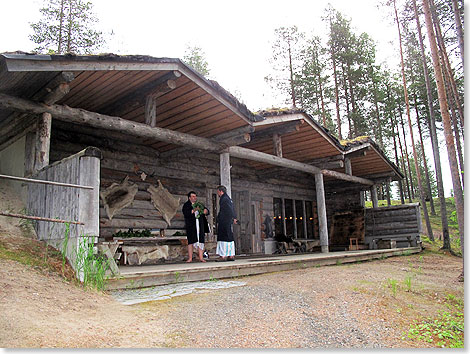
<point x="298" y="116"/>
<point x="27" y="62"/>
<point x="370" y="146"/>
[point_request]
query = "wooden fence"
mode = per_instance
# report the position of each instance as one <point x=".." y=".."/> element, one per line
<point x="65" y="202"/>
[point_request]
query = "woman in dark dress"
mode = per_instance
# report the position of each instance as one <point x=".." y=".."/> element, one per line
<point x="196" y="226"/>
<point x="225" y="219"/>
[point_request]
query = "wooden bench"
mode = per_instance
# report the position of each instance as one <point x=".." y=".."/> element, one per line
<point x="391" y="242"/>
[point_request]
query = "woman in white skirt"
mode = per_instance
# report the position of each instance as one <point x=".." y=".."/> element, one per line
<point x="225" y="219"/>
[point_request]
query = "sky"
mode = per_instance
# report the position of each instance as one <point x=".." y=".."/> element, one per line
<point x="235" y="36"/>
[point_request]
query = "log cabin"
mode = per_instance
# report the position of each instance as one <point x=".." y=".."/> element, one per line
<point x="126" y="127"/>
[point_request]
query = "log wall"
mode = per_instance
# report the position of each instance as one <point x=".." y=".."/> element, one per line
<point x="199" y="172"/>
<point x="394" y="222"/>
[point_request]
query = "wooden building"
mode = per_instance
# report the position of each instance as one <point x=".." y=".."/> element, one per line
<point x="156" y="123"/>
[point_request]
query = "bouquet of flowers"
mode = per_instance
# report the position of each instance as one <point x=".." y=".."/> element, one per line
<point x="198" y="209"/>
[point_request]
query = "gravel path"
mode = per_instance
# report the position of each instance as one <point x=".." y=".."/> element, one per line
<point x="310" y="308"/>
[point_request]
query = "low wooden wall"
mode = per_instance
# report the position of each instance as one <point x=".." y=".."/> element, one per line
<point x="67" y="203"/>
<point x="393" y="223"/>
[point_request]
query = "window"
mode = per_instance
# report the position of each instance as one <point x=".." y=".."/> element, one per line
<point x="294" y="216"/>
<point x="299" y="218"/>
<point x="289" y="217"/>
<point x="278" y="224"/>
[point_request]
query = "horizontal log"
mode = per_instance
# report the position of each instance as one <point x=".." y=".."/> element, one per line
<point x="346" y="177"/>
<point x="39" y="218"/>
<point x="81" y="116"/>
<point x="391" y="226"/>
<point x="412" y="230"/>
<point x="29" y="180"/>
<point x="278" y="129"/>
<point x="57" y="94"/>
<point x="140" y="224"/>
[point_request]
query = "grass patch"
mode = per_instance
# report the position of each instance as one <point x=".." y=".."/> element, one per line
<point x="446" y="330"/>
<point x="37" y="255"/>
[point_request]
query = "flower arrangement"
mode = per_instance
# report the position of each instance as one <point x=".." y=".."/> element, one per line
<point x="199" y="207"/>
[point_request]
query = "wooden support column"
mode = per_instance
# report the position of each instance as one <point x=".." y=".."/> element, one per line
<point x="43" y="141"/>
<point x="283" y="215"/>
<point x="373" y="195"/>
<point x="347" y="166"/>
<point x="321" y="209"/>
<point x="304" y="218"/>
<point x="29" y="153"/>
<point x="277" y="141"/>
<point x="151" y="111"/>
<point x="294" y="217"/>
<point x="225" y="172"/>
<point x="151" y="101"/>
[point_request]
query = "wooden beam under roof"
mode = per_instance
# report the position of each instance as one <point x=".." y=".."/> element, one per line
<point x="137" y="97"/>
<point x="277" y="129"/>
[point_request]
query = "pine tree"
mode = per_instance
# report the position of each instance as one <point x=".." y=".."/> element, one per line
<point x="66" y="26"/>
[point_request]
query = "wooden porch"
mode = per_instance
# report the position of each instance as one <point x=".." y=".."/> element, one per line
<point x="151" y="275"/>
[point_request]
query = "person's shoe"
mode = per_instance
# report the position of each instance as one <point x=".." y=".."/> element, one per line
<point x="231" y="258"/>
<point x="220" y="259"/>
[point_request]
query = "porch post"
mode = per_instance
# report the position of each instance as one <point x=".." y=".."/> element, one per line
<point x="43" y="141"/>
<point x="347" y="166"/>
<point x="373" y="194"/>
<point x="225" y="172"/>
<point x="321" y="209"/>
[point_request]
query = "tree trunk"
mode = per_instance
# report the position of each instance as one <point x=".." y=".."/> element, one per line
<point x="445" y="64"/>
<point x="458" y="27"/>
<point x="346" y="97"/>
<point x="61" y="26"/>
<point x="338" y="118"/>
<point x="412" y="188"/>
<point x="425" y="163"/>
<point x="405" y="170"/>
<point x="323" y="113"/>
<point x="457" y="139"/>
<point x="410" y="125"/>
<point x="292" y="87"/>
<point x="458" y="193"/>
<point x="353" y="102"/>
<point x="69" y="34"/>
<point x="400" y="184"/>
<point x="379" y="124"/>
<point x="434" y="141"/>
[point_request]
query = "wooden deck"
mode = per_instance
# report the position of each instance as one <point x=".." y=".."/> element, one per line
<point x="151" y="275"/>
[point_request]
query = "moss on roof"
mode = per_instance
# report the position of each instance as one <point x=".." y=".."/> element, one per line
<point x="356" y="141"/>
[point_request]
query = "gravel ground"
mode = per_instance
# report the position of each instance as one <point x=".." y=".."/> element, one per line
<point x="326" y="307"/>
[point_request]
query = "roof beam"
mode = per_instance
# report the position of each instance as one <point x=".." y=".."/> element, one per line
<point x="137" y="98"/>
<point x="278" y="129"/>
<point x="232" y="137"/>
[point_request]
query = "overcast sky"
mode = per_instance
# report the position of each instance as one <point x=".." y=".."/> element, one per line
<point x="236" y="36"/>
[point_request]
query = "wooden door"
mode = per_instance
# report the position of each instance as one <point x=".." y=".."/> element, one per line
<point x="247" y="233"/>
